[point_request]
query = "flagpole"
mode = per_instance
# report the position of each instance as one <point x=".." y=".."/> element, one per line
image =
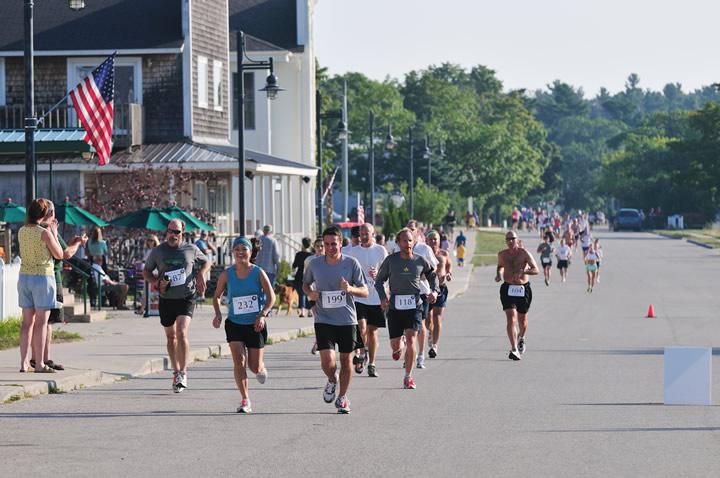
<point x="40" y="119"/>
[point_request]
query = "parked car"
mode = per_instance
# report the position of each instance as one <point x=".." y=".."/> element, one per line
<point x="628" y="219"/>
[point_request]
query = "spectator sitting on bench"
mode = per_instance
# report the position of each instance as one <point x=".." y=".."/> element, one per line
<point x="115" y="289"/>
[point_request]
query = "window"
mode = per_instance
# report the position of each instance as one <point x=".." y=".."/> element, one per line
<point x="200" y="190"/>
<point x="128" y="76"/>
<point x="202" y="83"/>
<point x="217" y="84"/>
<point x="249" y="100"/>
<point x="2" y="81"/>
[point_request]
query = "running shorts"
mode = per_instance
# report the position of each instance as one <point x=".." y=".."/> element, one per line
<point x="401" y="320"/>
<point x="372" y="313"/>
<point x="521" y="303"/>
<point x="344" y="336"/>
<point x="171" y="309"/>
<point x="441" y="300"/>
<point x="246" y="334"/>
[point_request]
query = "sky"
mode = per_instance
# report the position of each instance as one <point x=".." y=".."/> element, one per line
<point x="529" y="43"/>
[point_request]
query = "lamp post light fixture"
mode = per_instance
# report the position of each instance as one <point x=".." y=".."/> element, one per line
<point x="272" y="89"/>
<point x="342" y="133"/>
<point x="427" y="154"/>
<point x="389" y="144"/>
<point x="31" y="121"/>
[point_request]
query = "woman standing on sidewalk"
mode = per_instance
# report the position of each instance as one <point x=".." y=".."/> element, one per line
<point x="36" y="284"/>
<point x="251" y="297"/>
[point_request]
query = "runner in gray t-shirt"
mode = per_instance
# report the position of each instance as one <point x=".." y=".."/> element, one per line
<point x="337" y="278"/>
<point x="186" y="268"/>
<point x="404" y="269"/>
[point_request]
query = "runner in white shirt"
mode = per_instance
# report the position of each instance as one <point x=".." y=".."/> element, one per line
<point x="563" y="254"/>
<point x="370" y="316"/>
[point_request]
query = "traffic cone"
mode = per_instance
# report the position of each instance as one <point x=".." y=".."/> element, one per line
<point x="651" y="312"/>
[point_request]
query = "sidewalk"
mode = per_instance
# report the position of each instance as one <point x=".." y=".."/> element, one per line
<point x="126" y="345"/>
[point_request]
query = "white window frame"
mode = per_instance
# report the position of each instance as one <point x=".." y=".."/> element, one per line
<point x="2" y="81"/>
<point x="94" y="62"/>
<point x="217" y="85"/>
<point x="202" y="83"/>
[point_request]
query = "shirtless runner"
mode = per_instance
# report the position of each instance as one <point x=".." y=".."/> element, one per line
<point x="515" y="264"/>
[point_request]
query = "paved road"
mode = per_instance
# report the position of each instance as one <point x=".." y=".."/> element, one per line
<point x="585" y="400"/>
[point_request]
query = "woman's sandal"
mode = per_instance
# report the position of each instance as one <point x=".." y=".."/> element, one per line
<point x="54" y="366"/>
<point x="45" y="369"/>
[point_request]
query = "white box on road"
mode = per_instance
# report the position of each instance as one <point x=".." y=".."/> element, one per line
<point x="688" y="375"/>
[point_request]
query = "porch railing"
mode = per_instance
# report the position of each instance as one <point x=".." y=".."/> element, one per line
<point x="127" y="120"/>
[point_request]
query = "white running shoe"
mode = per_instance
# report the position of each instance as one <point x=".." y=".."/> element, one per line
<point x="244" y="406"/>
<point x="262" y="376"/>
<point x="329" y="393"/>
<point x="521" y="345"/>
<point x="420" y="361"/>
<point x="514" y="355"/>
<point x="343" y="405"/>
<point x="181" y="381"/>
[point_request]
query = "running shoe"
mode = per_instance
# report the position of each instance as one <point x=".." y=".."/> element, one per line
<point x="408" y="383"/>
<point x="314" y="349"/>
<point x="432" y="353"/>
<point x="329" y="393"/>
<point x="359" y="361"/>
<point x="372" y="372"/>
<point x="429" y="339"/>
<point x="521" y="345"/>
<point x="262" y="376"/>
<point x="343" y="405"/>
<point x="514" y="355"/>
<point x="547" y="282"/>
<point x="175" y="383"/>
<point x="244" y="406"/>
<point x="398" y="353"/>
<point x="597" y="280"/>
<point x="182" y="380"/>
<point x="420" y="361"/>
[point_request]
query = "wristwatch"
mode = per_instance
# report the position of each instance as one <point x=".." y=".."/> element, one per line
<point x="262" y="312"/>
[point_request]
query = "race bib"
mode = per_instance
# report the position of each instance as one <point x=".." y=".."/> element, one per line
<point x="516" y="291"/>
<point x="333" y="299"/>
<point x="246" y="304"/>
<point x="546" y="260"/>
<point x="405" y="302"/>
<point x="177" y="277"/>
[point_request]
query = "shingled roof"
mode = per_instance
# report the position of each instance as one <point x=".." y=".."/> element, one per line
<point x="102" y="25"/>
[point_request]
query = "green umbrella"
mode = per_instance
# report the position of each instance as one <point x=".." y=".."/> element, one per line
<point x="190" y="221"/>
<point x="147" y="218"/>
<point x="69" y="213"/>
<point x="11" y="212"/>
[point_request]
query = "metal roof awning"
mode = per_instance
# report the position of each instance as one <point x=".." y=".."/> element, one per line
<point x="56" y="140"/>
<point x="183" y="154"/>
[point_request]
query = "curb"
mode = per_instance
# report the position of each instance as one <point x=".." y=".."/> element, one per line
<point x="691" y="241"/>
<point x="91" y="378"/>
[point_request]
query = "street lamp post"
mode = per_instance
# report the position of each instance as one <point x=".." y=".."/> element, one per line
<point x="389" y="144"/>
<point x="31" y="121"/>
<point x="272" y="89"/>
<point x="342" y="132"/>
<point x="412" y="178"/>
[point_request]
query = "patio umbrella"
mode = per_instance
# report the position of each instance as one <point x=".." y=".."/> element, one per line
<point x="191" y="222"/>
<point x="146" y="218"/>
<point x="11" y="212"/>
<point x="69" y="213"/>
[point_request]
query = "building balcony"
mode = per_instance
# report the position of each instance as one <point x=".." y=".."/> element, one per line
<point x="127" y="121"/>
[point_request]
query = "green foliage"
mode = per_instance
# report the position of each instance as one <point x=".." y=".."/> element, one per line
<point x="283" y="272"/>
<point x="10" y="333"/>
<point x="430" y="205"/>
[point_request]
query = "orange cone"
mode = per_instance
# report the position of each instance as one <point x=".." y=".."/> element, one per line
<point x="651" y="312"/>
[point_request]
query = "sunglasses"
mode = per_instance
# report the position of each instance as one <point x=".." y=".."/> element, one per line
<point x="510" y="238"/>
<point x="174" y="231"/>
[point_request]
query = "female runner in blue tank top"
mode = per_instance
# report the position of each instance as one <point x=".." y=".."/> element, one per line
<point x="251" y="297"/>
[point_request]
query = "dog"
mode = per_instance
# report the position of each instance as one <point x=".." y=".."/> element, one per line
<point x="286" y="295"/>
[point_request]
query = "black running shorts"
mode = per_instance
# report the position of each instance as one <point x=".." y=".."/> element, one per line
<point x="372" y="313"/>
<point x="344" y="336"/>
<point x="246" y="334"/>
<point x="171" y="309"/>
<point x="522" y="303"/>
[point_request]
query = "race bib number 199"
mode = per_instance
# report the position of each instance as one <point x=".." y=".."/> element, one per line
<point x="333" y="299"/>
<point x="516" y="291"/>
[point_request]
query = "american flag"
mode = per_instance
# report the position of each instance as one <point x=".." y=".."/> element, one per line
<point x="93" y="101"/>
<point x="361" y="214"/>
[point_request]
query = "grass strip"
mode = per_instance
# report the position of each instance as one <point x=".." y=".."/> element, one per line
<point x="487" y="246"/>
<point x="10" y="334"/>
<point x="710" y="237"/>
